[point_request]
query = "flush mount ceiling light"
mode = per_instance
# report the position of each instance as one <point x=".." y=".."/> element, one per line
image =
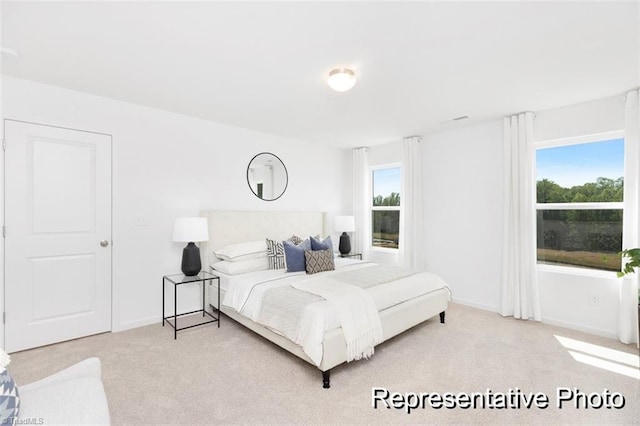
<point x="341" y="79"/>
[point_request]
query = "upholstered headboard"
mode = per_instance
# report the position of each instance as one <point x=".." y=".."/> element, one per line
<point x="231" y="227"/>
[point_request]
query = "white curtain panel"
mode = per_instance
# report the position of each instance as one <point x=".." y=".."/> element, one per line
<point x="361" y="202"/>
<point x="628" y="297"/>
<point x="412" y="240"/>
<point x="520" y="292"/>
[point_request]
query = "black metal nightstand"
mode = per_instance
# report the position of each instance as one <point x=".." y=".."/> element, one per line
<point x="179" y="279"/>
<point x="358" y="255"/>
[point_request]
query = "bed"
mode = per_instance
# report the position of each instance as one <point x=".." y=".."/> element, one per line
<point x="232" y="227"/>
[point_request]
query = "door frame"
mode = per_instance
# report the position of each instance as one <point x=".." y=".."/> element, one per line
<point x="114" y="303"/>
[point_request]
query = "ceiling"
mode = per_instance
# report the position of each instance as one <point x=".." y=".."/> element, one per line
<point x="263" y="66"/>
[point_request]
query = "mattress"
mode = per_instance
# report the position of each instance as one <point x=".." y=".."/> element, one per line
<point x="243" y="294"/>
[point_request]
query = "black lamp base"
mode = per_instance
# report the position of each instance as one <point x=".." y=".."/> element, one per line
<point x="191" y="264"/>
<point x="345" y="244"/>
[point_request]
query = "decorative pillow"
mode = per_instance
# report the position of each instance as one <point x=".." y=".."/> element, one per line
<point x="295" y="240"/>
<point x="325" y="244"/>
<point x="9" y="398"/>
<point x="294" y="255"/>
<point x="275" y="254"/>
<point x="319" y="260"/>
<point x="250" y="256"/>
<point x="241" y="267"/>
<point x="242" y="251"/>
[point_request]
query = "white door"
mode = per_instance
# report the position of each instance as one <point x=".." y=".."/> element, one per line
<point x="57" y="236"/>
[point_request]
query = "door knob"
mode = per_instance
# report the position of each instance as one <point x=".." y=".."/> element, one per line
<point x="104" y="243"/>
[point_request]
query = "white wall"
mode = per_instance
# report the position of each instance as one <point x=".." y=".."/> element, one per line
<point x="463" y="203"/>
<point x="566" y="297"/>
<point x="385" y="154"/>
<point x="588" y="118"/>
<point x="167" y="165"/>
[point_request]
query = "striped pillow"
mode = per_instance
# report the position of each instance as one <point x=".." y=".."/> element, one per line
<point x="275" y="254"/>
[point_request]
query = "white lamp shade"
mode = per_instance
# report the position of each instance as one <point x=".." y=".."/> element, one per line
<point x="344" y="224"/>
<point x="341" y="79"/>
<point x="190" y="229"/>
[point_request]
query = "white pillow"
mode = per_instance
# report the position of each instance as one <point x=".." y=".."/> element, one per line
<point x="234" y="268"/>
<point x="249" y="256"/>
<point x="243" y="251"/>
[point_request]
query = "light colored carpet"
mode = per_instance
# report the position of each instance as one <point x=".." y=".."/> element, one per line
<point x="230" y="375"/>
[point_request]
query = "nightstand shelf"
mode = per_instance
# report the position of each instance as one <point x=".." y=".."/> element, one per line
<point x="178" y="280"/>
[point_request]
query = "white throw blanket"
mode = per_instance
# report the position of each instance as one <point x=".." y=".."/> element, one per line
<point x="357" y="313"/>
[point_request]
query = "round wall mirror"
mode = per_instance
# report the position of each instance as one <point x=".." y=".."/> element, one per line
<point x="267" y="176"/>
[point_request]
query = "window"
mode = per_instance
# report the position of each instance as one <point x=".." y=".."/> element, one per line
<point x="579" y="187"/>
<point x="385" y="206"/>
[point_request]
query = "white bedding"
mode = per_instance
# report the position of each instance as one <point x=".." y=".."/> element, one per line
<point x="244" y="296"/>
<point x="356" y="309"/>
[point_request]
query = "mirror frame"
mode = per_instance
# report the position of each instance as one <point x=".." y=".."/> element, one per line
<point x="286" y="175"/>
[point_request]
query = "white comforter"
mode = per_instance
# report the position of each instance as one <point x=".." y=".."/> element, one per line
<point x="244" y="296"/>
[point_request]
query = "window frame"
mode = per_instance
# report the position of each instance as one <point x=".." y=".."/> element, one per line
<point x="373" y="208"/>
<point x="615" y="205"/>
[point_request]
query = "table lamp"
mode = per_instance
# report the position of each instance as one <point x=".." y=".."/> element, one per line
<point x="344" y="224"/>
<point x="188" y="230"/>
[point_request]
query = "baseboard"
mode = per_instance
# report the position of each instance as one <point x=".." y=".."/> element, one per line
<point x="545" y="320"/>
<point x="475" y="304"/>
<point x="138" y="323"/>
<point x="579" y="327"/>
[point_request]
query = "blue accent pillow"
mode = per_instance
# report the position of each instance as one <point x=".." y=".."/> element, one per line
<point x="325" y="244"/>
<point x="295" y="255"/>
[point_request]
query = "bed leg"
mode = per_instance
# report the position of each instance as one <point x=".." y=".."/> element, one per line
<point x="325" y="379"/>
<point x="442" y="317"/>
